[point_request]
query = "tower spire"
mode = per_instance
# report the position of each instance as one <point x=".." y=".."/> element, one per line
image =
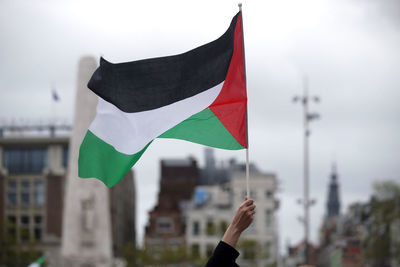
<point x="333" y="204"/>
<point x="334" y="167"/>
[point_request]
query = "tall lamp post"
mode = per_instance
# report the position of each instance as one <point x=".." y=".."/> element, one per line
<point x="306" y="202"/>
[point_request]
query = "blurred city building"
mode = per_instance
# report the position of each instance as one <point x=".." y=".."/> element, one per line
<point x="165" y="229"/>
<point x="33" y="168"/>
<point x="295" y="255"/>
<point x="195" y="206"/>
<point x="368" y="234"/>
<point x="377" y="222"/>
<point x="212" y="207"/>
<point x="328" y="233"/>
<point x="211" y="174"/>
<point x="339" y="237"/>
<point x="32" y="174"/>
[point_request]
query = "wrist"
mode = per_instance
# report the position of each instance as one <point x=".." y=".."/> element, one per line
<point x="231" y="236"/>
<point x="235" y="231"/>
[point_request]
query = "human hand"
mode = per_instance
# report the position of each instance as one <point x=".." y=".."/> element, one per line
<point x="242" y="219"/>
<point x="244" y="215"/>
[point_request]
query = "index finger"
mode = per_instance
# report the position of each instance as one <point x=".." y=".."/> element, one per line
<point x="247" y="202"/>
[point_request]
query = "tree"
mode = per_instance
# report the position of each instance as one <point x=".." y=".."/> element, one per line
<point x="381" y="245"/>
<point x="13" y="253"/>
<point x="132" y="255"/>
<point x="253" y="253"/>
<point x="165" y="256"/>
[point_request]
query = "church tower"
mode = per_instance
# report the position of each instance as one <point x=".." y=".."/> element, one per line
<point x="333" y="204"/>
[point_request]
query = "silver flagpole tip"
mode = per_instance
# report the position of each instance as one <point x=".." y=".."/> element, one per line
<point x="240" y="6"/>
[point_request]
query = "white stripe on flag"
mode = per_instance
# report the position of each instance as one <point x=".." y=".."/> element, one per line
<point x="129" y="132"/>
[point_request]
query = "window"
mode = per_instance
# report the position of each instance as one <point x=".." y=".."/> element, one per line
<point x="37" y="219"/>
<point x="65" y="156"/>
<point x="25" y="185"/>
<point x="25" y="219"/>
<point x="268" y="218"/>
<point x="196" y="228"/>
<point x="24" y="234"/>
<point x="24" y="160"/>
<point x="12" y="193"/>
<point x="37" y="231"/>
<point x="195" y="251"/>
<point x="25" y="196"/>
<point x="24" y="229"/>
<point x="12" y="227"/>
<point x="12" y="232"/>
<point x="12" y="198"/>
<point x="211" y="229"/>
<point x="12" y="220"/>
<point x="164" y="225"/>
<point x="253" y="194"/>
<point x="269" y="194"/>
<point x="39" y="193"/>
<point x="38" y="234"/>
<point x="12" y="185"/>
<point x="223" y="226"/>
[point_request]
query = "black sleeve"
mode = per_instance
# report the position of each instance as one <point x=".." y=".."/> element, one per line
<point x="224" y="256"/>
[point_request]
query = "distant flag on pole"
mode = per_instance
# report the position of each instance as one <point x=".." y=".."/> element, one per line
<point x="199" y="96"/>
<point x="38" y="262"/>
<point x="55" y="96"/>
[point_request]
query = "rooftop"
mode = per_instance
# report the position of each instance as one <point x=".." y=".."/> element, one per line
<point x="177" y="162"/>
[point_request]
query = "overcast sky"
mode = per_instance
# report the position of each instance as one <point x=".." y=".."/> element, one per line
<point x="348" y="49"/>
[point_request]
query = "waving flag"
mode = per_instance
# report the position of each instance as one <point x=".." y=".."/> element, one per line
<point x="38" y="262"/>
<point x="198" y="96"/>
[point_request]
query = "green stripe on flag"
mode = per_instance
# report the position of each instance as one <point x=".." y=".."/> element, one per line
<point x="41" y="259"/>
<point x="100" y="160"/>
<point x="204" y="128"/>
<point x="38" y="262"/>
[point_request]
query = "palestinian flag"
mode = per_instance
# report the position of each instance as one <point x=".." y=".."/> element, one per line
<point x="198" y="96"/>
<point x="38" y="262"/>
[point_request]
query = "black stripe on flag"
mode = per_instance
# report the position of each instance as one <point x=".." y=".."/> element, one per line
<point x="152" y="83"/>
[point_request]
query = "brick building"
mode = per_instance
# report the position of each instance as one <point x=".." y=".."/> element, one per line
<point x="166" y="224"/>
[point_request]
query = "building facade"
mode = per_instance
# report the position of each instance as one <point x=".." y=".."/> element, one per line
<point x="213" y="207"/>
<point x="340" y="240"/>
<point x="166" y="226"/>
<point x="32" y="174"/>
<point x="33" y="171"/>
<point x="296" y="255"/>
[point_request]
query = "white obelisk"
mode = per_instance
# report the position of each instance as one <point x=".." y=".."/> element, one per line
<point x="86" y="236"/>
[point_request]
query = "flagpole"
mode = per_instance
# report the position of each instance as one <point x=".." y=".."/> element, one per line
<point x="247" y="174"/>
<point x="247" y="132"/>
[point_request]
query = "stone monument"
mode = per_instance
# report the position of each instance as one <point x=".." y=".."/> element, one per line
<point x="86" y="236"/>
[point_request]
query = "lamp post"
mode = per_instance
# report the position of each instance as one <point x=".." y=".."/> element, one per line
<point x="305" y="99"/>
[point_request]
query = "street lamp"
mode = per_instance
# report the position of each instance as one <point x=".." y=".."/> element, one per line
<point x="306" y="202"/>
